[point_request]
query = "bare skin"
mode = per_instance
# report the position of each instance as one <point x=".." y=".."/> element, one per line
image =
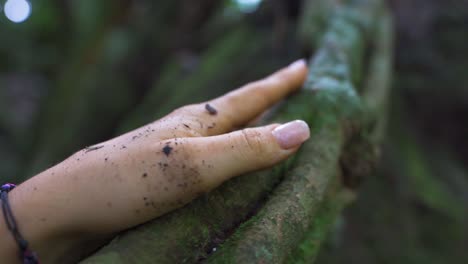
<point x="69" y="209"/>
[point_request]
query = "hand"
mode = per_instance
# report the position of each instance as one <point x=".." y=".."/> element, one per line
<point x="147" y="172"/>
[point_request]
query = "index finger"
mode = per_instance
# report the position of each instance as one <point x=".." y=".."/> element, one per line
<point x="240" y="106"/>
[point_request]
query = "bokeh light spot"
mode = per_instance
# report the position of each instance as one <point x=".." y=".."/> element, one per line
<point x="248" y="6"/>
<point x="17" y="10"/>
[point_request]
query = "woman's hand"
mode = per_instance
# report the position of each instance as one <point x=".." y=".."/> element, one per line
<point x="147" y="172"/>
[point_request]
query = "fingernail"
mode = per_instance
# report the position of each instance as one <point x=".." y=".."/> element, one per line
<point x="292" y="134"/>
<point x="297" y="64"/>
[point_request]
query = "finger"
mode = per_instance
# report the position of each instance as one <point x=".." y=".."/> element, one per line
<point x="224" y="156"/>
<point x="238" y="107"/>
<point x="187" y="167"/>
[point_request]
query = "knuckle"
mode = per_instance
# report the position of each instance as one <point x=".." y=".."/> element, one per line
<point x="186" y="110"/>
<point x="189" y="120"/>
<point x="179" y="166"/>
<point x="253" y="142"/>
<point x="226" y="120"/>
<point x="191" y="128"/>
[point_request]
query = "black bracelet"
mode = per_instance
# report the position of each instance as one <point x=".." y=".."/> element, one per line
<point x="26" y="254"/>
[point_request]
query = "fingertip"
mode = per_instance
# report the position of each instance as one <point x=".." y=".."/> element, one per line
<point x="298" y="65"/>
<point x="291" y="135"/>
<point x="248" y="149"/>
<point x="297" y="72"/>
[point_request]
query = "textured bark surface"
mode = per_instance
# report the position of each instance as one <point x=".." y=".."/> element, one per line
<point x="360" y="160"/>
<point x="415" y="208"/>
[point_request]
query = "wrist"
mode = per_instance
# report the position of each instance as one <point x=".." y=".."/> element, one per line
<point x="45" y="212"/>
<point x="8" y="247"/>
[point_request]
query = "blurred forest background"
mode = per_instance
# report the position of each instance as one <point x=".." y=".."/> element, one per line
<point x="74" y="73"/>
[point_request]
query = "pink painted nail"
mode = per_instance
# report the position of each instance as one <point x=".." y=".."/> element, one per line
<point x="292" y="134"/>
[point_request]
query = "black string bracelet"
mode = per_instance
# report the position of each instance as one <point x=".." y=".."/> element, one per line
<point x="26" y="254"/>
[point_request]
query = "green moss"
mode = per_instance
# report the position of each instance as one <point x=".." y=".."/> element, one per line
<point x="108" y="258"/>
<point x="321" y="226"/>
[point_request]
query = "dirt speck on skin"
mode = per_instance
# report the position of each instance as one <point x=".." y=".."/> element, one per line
<point x="211" y="110"/>
<point x="213" y="125"/>
<point x="163" y="166"/>
<point x="167" y="150"/>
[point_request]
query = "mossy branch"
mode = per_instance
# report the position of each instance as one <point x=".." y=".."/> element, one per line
<point x="338" y="116"/>
<point x="360" y="156"/>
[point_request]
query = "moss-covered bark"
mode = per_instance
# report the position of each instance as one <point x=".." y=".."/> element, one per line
<point x="339" y="115"/>
<point x="360" y="157"/>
